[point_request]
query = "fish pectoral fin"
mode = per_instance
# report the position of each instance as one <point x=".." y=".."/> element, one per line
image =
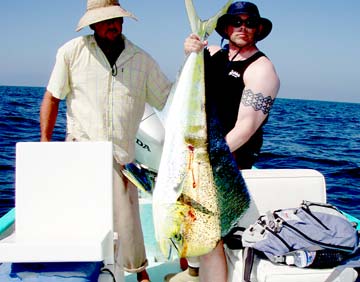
<point x="203" y="28"/>
<point x="188" y="201"/>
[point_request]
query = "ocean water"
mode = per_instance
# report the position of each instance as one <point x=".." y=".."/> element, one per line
<point x="300" y="134"/>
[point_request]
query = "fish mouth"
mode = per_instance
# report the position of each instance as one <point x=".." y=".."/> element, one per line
<point x="174" y="244"/>
<point x="170" y="248"/>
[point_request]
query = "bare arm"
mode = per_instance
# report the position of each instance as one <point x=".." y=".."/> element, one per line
<point x="261" y="83"/>
<point x="48" y="115"/>
<point x="261" y="87"/>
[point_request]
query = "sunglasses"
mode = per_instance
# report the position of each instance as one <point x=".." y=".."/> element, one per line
<point x="249" y="22"/>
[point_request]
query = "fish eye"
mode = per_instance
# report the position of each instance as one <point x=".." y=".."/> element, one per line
<point x="178" y="237"/>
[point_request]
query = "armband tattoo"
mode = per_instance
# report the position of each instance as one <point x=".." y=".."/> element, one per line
<point x="257" y="101"/>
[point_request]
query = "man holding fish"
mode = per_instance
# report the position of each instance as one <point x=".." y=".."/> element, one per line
<point x="241" y="86"/>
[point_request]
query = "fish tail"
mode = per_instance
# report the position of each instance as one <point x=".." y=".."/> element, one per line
<point x="203" y="28"/>
<point x="194" y="19"/>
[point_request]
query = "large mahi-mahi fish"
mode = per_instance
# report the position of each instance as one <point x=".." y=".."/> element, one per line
<point x="199" y="192"/>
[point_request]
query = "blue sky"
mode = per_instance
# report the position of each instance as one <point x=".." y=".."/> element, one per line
<point x="314" y="45"/>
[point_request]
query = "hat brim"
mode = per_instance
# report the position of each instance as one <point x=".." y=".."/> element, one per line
<point x="102" y="14"/>
<point x="223" y="21"/>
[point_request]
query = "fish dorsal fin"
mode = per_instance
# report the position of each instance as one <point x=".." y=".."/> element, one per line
<point x="203" y="28"/>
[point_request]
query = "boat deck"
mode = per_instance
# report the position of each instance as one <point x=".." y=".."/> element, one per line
<point x="158" y="265"/>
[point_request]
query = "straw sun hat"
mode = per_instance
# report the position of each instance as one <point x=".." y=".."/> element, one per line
<point x="101" y="10"/>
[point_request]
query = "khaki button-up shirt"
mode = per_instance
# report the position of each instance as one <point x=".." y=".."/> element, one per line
<point x="103" y="107"/>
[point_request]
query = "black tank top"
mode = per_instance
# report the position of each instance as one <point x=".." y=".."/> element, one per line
<point x="224" y="87"/>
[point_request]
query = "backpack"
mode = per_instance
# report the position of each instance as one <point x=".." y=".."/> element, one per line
<point x="311" y="227"/>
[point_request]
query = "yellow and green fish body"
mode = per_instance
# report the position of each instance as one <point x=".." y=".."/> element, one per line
<point x="189" y="207"/>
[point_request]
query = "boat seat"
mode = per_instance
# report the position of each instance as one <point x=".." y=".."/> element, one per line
<point x="63" y="199"/>
<point x="272" y="189"/>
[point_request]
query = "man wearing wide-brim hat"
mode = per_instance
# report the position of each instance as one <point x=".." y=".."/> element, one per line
<point x="241" y="86"/>
<point x="106" y="81"/>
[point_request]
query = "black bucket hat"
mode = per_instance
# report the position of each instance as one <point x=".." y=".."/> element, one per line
<point x="242" y="7"/>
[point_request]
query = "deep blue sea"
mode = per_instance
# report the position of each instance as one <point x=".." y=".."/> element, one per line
<point x="300" y="134"/>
